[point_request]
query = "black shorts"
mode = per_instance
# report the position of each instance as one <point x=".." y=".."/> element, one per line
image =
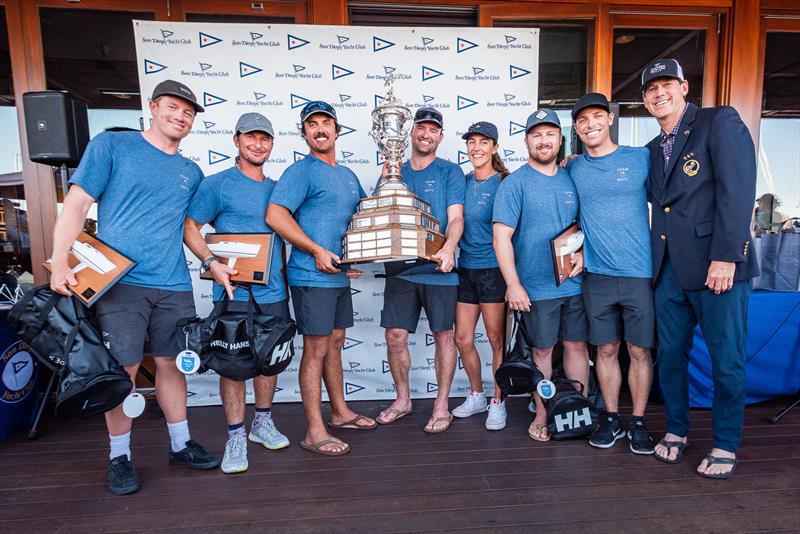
<point x="321" y="310"/>
<point x="403" y="300"/>
<point x="554" y="320"/>
<point x="130" y="315"/>
<point x="478" y="286"/>
<point x="276" y="309"/>
<point x="619" y="307"/>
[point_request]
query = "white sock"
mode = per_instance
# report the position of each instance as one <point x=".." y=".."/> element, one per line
<point x="178" y="435"/>
<point x="120" y="445"/>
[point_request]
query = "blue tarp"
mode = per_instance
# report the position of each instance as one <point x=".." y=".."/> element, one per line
<point x="773" y="351"/>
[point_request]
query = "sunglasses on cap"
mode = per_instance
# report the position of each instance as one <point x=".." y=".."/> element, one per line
<point x="429" y="115"/>
<point x="317" y="106"/>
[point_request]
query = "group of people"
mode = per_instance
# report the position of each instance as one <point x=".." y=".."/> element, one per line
<point x="638" y="279"/>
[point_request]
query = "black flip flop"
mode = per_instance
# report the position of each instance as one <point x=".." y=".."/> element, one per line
<point x="711" y="460"/>
<point x="680" y="445"/>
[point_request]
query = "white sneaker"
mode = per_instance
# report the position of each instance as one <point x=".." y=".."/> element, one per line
<point x="474" y="403"/>
<point x="235" y="459"/>
<point x="496" y="420"/>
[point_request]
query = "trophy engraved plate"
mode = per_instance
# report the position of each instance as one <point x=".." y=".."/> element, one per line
<point x="393" y="224"/>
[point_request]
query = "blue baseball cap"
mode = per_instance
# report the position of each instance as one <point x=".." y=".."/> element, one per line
<point x="542" y="116"/>
<point x="429" y="115"/>
<point x="486" y="129"/>
<point x="317" y="106"/>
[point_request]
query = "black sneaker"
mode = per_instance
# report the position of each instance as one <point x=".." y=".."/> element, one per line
<point x="122" y="477"/>
<point x="639" y="438"/>
<point x="194" y="456"/>
<point x="607" y="435"/>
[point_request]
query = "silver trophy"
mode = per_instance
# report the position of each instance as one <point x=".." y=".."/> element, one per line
<point x="393" y="224"/>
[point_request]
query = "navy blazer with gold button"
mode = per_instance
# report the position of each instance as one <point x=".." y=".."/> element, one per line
<point x="703" y="203"/>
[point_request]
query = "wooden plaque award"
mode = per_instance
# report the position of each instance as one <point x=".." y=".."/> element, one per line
<point x="97" y="267"/>
<point x="563" y="246"/>
<point x="249" y="254"/>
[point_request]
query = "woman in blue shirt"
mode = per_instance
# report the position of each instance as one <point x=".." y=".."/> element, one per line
<point x="481" y="289"/>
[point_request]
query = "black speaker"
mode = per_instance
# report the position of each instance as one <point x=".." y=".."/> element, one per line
<point x="57" y="125"/>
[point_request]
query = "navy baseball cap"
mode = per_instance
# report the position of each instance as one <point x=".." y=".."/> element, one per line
<point x="590" y="100"/>
<point x="317" y="106"/>
<point x="174" y="88"/>
<point x="486" y="129"/>
<point x="542" y="116"/>
<point x="662" y="68"/>
<point x="254" y="122"/>
<point x="429" y="115"/>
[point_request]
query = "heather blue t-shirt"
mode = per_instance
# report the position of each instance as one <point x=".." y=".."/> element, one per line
<point x="613" y="197"/>
<point x="142" y="194"/>
<point x="477" y="250"/>
<point x="538" y="207"/>
<point x="322" y="199"/>
<point x="234" y="203"/>
<point x="440" y="184"/>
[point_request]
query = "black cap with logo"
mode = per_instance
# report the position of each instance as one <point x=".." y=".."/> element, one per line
<point x="662" y="68"/>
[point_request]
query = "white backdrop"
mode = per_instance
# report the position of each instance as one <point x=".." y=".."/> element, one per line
<point x="470" y="74"/>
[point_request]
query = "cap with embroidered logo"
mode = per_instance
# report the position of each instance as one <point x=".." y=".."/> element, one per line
<point x="662" y="68"/>
<point x="542" y="116"/>
<point x="254" y="122"/>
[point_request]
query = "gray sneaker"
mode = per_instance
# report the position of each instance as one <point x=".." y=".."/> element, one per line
<point x="235" y="459"/>
<point x="267" y="434"/>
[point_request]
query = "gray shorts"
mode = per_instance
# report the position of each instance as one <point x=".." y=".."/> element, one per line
<point x="321" y="310"/>
<point x="276" y="309"/>
<point x="618" y="308"/>
<point x="554" y="320"/>
<point x="403" y="300"/>
<point x="130" y="315"/>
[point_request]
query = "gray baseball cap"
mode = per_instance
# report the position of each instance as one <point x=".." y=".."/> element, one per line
<point x="542" y="116"/>
<point x="254" y="122"/>
<point x="174" y="88"/>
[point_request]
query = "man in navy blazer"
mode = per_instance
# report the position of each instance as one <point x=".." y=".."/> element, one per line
<point x="702" y="191"/>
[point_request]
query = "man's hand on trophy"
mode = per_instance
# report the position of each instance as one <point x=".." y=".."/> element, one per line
<point x="222" y="275"/>
<point x="354" y="273"/>
<point x="326" y="261"/>
<point x="384" y="170"/>
<point x="517" y="298"/>
<point x="577" y="264"/>
<point x="445" y="258"/>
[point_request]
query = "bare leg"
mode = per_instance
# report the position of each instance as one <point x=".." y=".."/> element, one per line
<point x="576" y="363"/>
<point x="400" y="365"/>
<point x="233" y="399"/>
<point x="543" y="358"/>
<point x="116" y="421"/>
<point x="264" y="389"/>
<point x="315" y="349"/>
<point x="334" y="382"/>
<point x="466" y="319"/>
<point x="445" y="369"/>
<point x="609" y="374"/>
<point x="170" y="389"/>
<point x="640" y="378"/>
<point x="494" y="321"/>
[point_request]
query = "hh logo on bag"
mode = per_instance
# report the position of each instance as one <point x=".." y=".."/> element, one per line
<point x="280" y="353"/>
<point x="573" y="419"/>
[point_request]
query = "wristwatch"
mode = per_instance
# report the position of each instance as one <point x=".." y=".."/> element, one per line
<point x="206" y="265"/>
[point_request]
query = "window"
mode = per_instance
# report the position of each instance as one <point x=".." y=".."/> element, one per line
<point x="778" y="186"/>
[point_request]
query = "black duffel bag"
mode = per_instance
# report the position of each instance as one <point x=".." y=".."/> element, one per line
<point x="240" y="345"/>
<point x="64" y="336"/>
<point x="569" y="413"/>
<point x="518" y="374"/>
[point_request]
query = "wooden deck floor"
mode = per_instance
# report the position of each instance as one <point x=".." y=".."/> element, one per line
<point x="399" y="479"/>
